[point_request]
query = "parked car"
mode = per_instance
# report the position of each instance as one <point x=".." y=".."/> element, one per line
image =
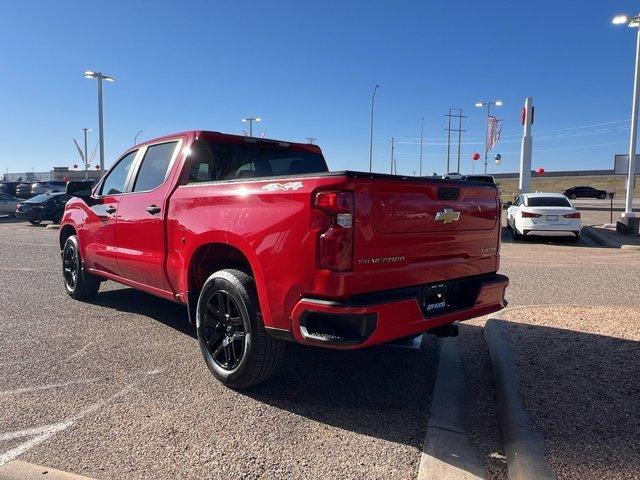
<point x="532" y="213"/>
<point x="584" y="192"/>
<point x="9" y="188"/>
<point x="480" y="179"/>
<point x="263" y="244"/>
<point x="23" y="190"/>
<point x="453" y="176"/>
<point x="48" y="206"/>
<point x="8" y="204"/>
<point x="53" y="186"/>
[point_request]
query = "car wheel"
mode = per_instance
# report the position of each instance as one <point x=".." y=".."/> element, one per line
<point x="574" y="238"/>
<point x="78" y="283"/>
<point x="234" y="343"/>
<point x="35" y="222"/>
<point x="602" y="196"/>
<point x="573" y="196"/>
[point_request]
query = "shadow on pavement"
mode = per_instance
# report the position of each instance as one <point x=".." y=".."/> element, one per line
<point x="130" y="300"/>
<point x="582" y="392"/>
<point x="383" y="392"/>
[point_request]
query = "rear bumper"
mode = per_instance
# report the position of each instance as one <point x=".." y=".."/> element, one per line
<point x="372" y="319"/>
<point x="529" y="226"/>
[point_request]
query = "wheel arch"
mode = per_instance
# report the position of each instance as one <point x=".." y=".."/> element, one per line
<point x="210" y="257"/>
<point x="65" y="232"/>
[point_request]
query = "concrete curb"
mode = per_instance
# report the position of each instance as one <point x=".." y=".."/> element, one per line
<point x="590" y="233"/>
<point x="448" y="453"/>
<point x="19" y="470"/>
<point x="524" y="447"/>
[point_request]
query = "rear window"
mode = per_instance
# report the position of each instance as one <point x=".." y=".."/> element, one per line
<point x="548" y="202"/>
<point x="211" y="161"/>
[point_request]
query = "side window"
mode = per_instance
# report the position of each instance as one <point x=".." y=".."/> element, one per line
<point x="114" y="183"/>
<point x="202" y="166"/>
<point x="155" y="164"/>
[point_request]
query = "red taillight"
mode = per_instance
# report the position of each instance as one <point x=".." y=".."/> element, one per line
<point x="530" y="215"/>
<point x="572" y="215"/>
<point x="335" y="244"/>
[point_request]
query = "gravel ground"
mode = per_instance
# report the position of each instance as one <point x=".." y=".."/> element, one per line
<point x="579" y="375"/>
<point x="548" y="271"/>
<point x="126" y="371"/>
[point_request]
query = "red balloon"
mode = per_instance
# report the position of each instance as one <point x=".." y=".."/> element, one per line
<point x="75" y="165"/>
<point x="540" y="171"/>
<point x="475" y="156"/>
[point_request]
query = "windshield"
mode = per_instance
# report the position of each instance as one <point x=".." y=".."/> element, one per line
<point x="548" y="202"/>
<point x="211" y="160"/>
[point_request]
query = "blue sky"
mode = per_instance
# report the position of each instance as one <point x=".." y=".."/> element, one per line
<point x="308" y="69"/>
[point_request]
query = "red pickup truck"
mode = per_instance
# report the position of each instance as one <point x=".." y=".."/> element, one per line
<point x="263" y="244"/>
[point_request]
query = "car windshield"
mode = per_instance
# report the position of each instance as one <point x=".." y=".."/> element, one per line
<point x="548" y="202"/>
<point x="41" y="198"/>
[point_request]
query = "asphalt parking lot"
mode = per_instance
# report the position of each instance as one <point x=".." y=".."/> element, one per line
<point x="116" y="388"/>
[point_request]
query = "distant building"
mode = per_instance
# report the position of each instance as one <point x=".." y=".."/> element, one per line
<point x="58" y="173"/>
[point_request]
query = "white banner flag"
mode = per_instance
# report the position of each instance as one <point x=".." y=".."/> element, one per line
<point x="493" y="132"/>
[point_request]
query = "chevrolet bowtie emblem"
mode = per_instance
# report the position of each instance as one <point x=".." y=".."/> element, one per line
<point x="447" y="216"/>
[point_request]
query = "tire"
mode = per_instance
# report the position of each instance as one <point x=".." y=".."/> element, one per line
<point x="573" y="196"/>
<point x="602" y="196"/>
<point x="234" y="343"/>
<point x="574" y="238"/>
<point x="516" y="235"/>
<point x="35" y="222"/>
<point x="78" y="283"/>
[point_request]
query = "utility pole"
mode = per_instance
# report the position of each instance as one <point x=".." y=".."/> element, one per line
<point x="459" y="130"/>
<point x="135" y="140"/>
<point x="526" y="147"/>
<point x="421" y="134"/>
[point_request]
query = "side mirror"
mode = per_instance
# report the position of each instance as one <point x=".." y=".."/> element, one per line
<point x="79" y="189"/>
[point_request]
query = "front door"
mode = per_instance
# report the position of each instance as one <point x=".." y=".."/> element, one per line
<point x="99" y="230"/>
<point x="141" y="215"/>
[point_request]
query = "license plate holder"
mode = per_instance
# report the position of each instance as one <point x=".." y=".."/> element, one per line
<point x="552" y="218"/>
<point x="434" y="298"/>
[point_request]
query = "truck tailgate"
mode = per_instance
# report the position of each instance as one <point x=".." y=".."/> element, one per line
<point x="418" y="231"/>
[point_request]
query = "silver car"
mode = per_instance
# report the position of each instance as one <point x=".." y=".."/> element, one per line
<point x="8" y="204"/>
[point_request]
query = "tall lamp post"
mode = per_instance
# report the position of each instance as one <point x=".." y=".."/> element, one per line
<point x="488" y="104"/>
<point x="632" y="22"/>
<point x="86" y="153"/>
<point x="135" y="140"/>
<point x="250" y="120"/>
<point x="373" y="97"/>
<point x="100" y="77"/>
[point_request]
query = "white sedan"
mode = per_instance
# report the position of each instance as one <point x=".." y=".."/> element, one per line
<point x="532" y="213"/>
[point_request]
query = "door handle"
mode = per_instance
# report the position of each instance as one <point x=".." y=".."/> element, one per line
<point x="153" y="209"/>
<point x="110" y="209"/>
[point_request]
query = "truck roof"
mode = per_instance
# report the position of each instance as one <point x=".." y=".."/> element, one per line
<point x="235" y="138"/>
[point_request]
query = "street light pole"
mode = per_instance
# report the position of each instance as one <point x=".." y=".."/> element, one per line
<point x="250" y="120"/>
<point x="421" y="133"/>
<point x="373" y="97"/>
<point x="135" y="140"/>
<point x="100" y="77"/>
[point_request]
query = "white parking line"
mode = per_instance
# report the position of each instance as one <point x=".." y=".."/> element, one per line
<point x="44" y="432"/>
<point x="48" y="386"/>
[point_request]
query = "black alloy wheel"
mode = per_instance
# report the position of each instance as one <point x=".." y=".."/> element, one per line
<point x="224" y="330"/>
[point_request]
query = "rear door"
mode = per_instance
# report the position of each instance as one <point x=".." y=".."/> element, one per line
<point x="141" y="215"/>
